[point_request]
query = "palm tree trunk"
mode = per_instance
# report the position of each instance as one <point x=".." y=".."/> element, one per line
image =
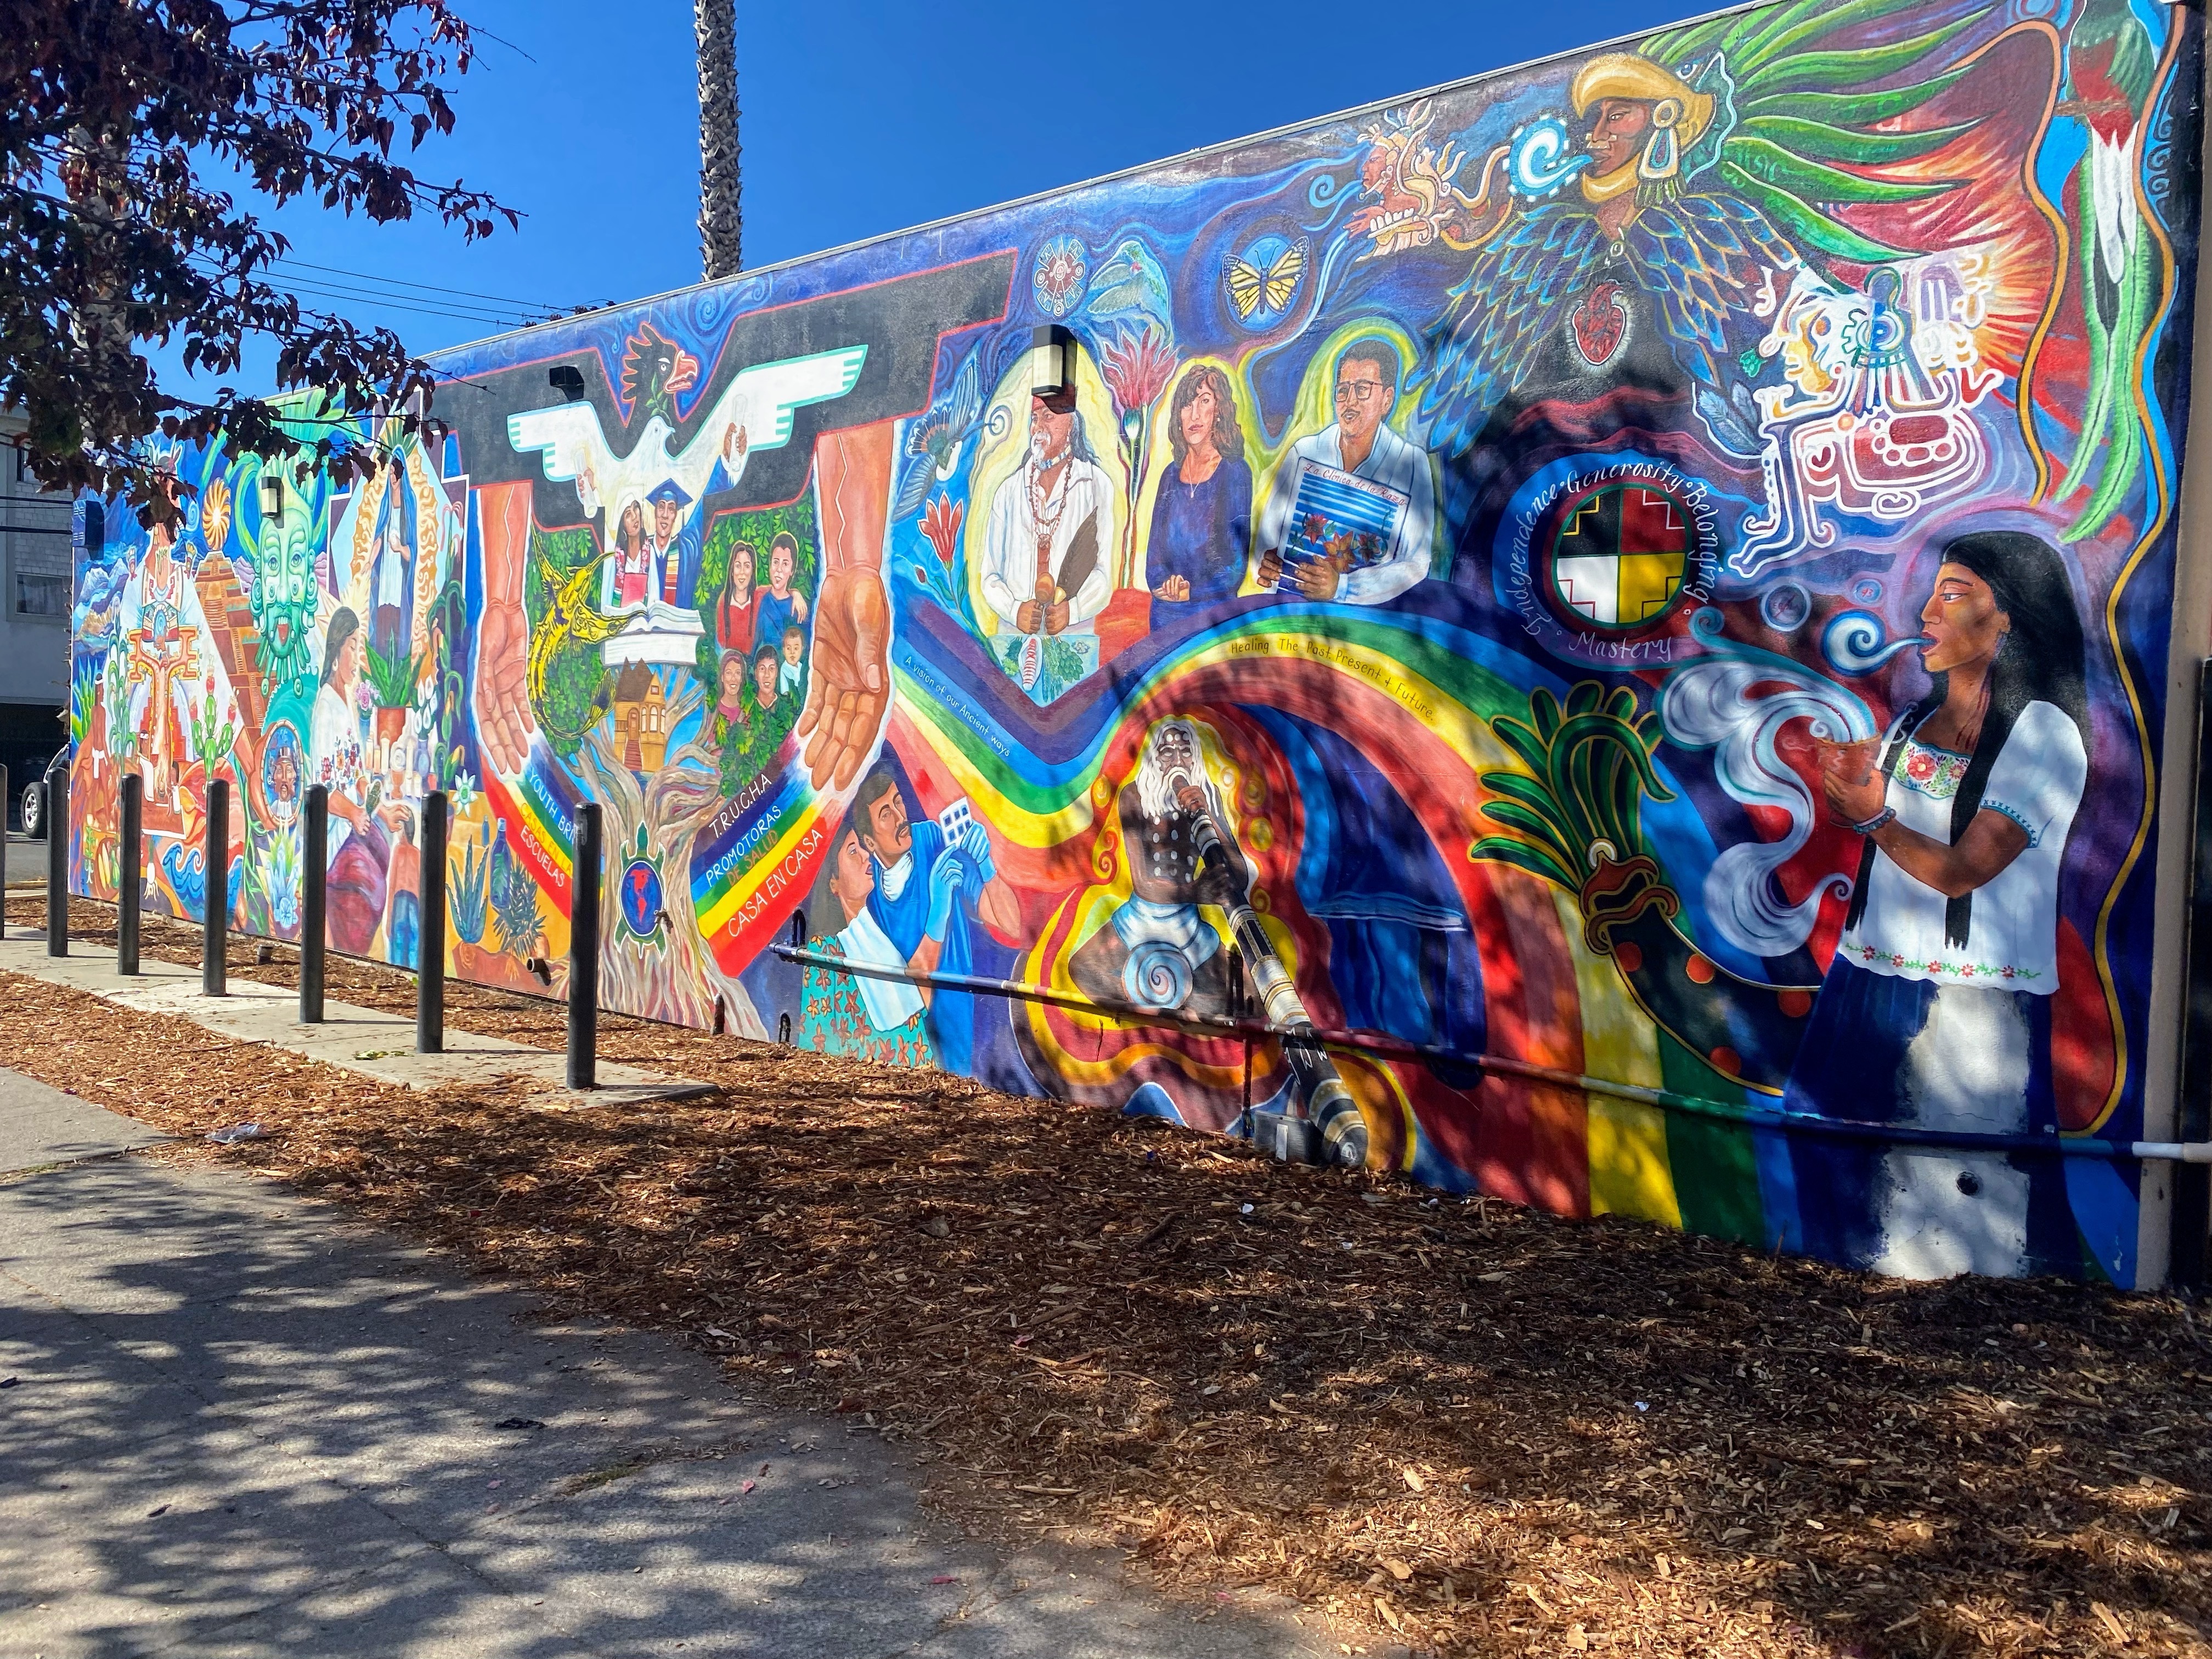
<point x="721" y="216"/>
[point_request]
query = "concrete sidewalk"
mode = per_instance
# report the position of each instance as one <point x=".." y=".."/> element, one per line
<point x="42" y="1128"/>
<point x="233" y="1423"/>
<point x="358" y="1040"/>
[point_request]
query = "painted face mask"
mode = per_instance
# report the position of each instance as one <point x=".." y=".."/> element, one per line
<point x="283" y="598"/>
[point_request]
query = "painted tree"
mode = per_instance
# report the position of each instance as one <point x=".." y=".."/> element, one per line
<point x="124" y="127"/>
<point x="671" y="975"/>
<point x="721" y="215"/>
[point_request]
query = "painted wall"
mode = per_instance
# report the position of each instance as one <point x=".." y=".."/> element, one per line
<point x="1498" y="548"/>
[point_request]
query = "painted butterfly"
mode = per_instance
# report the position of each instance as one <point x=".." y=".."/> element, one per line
<point x="1260" y="295"/>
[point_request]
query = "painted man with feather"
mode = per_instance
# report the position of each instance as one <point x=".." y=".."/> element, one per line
<point x="1707" y="163"/>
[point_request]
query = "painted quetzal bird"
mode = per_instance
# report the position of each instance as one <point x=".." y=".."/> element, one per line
<point x="2111" y="68"/>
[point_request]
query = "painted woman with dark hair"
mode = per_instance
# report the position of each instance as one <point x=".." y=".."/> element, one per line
<point x="734" y="618"/>
<point x="335" y="741"/>
<point x="1202" y="516"/>
<point x="630" y="571"/>
<point x="1935" y="1012"/>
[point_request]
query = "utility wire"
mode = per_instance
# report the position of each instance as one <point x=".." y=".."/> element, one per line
<point x="430" y="287"/>
<point x="311" y="296"/>
<point x="313" y="291"/>
<point x="422" y="303"/>
<point x="428" y="308"/>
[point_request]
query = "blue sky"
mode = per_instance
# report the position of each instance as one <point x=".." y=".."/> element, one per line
<point x="862" y="117"/>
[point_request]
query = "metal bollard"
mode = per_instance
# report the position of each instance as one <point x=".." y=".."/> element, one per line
<point x="58" y="895"/>
<point x="584" y="952"/>
<point x="215" y="908"/>
<point x="431" y="932"/>
<point x="129" y="879"/>
<point x="314" y="899"/>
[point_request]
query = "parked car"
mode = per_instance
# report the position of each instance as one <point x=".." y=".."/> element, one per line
<point x="34" y="796"/>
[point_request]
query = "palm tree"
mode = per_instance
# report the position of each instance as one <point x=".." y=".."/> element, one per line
<point x="721" y="215"/>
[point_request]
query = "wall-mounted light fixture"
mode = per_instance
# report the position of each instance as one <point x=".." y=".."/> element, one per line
<point x="569" y="381"/>
<point x="272" y="498"/>
<point x="1052" y="362"/>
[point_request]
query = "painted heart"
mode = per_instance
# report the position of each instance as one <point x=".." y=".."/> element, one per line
<point x="1600" y="325"/>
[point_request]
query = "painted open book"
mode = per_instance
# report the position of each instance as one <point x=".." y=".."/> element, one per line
<point x="1339" y="515"/>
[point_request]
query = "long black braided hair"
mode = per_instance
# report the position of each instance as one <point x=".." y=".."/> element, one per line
<point x="2042" y="659"/>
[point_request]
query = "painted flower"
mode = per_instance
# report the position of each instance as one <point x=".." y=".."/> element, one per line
<point x="1137" y="366"/>
<point x="941" y="523"/>
<point x="1920" y="766"/>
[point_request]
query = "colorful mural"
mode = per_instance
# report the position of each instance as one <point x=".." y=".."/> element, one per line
<point x="1631" y="596"/>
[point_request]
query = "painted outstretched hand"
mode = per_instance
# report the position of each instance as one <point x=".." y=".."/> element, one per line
<point x="504" y="722"/>
<point x="850" y="685"/>
<point x="503" y="718"/>
<point x="850" y="682"/>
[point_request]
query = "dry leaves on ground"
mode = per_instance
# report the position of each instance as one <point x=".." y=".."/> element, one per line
<point x="1459" y="1425"/>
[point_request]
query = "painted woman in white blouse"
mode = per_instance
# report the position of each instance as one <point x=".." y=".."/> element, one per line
<point x="1935" y="1012"/>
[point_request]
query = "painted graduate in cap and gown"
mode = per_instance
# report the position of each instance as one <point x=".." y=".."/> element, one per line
<point x="674" y="541"/>
<point x="675" y="528"/>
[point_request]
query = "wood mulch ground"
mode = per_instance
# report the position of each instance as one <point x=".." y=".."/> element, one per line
<point x="1453" y="1426"/>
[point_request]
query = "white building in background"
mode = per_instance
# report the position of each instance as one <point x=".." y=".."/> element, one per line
<point x="35" y="615"/>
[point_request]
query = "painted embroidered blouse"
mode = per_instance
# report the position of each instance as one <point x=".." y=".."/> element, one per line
<point x="2012" y="944"/>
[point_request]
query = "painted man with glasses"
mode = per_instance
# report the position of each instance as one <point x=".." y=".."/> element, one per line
<point x="1351" y="509"/>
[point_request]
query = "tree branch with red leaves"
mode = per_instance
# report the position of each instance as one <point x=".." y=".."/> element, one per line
<point x="119" y="122"/>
